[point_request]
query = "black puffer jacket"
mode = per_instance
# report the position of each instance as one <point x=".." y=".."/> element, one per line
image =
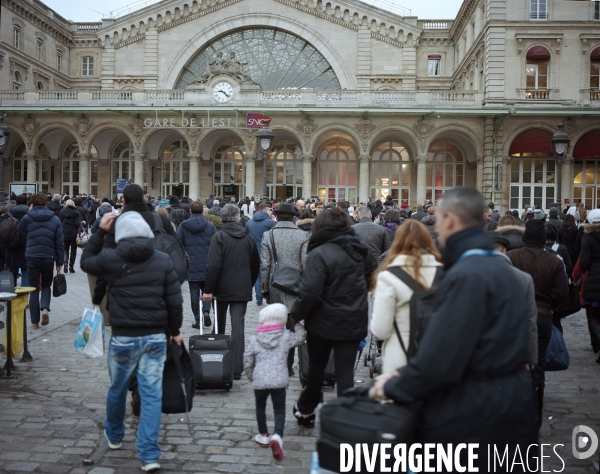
<point x="144" y="300"/>
<point x="589" y="259"/>
<point x="71" y="220"/>
<point x="16" y="257"/>
<point x="335" y="283"/>
<point x="55" y="207"/>
<point x="233" y="263"/>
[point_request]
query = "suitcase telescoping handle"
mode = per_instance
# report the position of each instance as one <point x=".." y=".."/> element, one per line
<point x="216" y="326"/>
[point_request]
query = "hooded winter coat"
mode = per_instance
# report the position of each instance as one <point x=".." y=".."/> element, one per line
<point x="589" y="259"/>
<point x="477" y="388"/>
<point x="567" y="235"/>
<point x="335" y="283"/>
<point x="233" y="264"/>
<point x="55" y="207"/>
<point x="429" y="222"/>
<point x="265" y="358"/>
<point x="195" y="234"/>
<point x="290" y="245"/>
<point x="258" y="225"/>
<point x="305" y="224"/>
<point x="145" y="299"/>
<point x="514" y="235"/>
<point x="44" y="235"/>
<point x="71" y="220"/>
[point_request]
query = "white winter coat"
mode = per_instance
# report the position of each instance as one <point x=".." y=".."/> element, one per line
<point x="392" y="301"/>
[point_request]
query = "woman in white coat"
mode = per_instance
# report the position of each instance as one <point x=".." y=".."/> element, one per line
<point x="413" y="251"/>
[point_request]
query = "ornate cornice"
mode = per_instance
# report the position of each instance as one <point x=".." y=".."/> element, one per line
<point x="185" y="19"/>
<point x="44" y="23"/>
<point x="320" y="14"/>
<point x="553" y="40"/>
<point x="130" y="40"/>
<point x="387" y="40"/>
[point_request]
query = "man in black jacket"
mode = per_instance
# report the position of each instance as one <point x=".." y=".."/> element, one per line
<point x="232" y="268"/>
<point x="145" y="301"/>
<point x="477" y="388"/>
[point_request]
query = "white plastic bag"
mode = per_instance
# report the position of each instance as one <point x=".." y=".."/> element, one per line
<point x="90" y="336"/>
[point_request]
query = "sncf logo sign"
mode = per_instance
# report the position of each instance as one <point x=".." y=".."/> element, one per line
<point x="257" y="120"/>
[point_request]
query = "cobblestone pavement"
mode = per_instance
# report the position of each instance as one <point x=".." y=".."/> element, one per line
<point x="51" y="413"/>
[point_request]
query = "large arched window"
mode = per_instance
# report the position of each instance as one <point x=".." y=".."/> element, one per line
<point x="122" y="164"/>
<point x="445" y="169"/>
<point x="272" y="58"/>
<point x="595" y="73"/>
<point x="586" y="180"/>
<point x="176" y="169"/>
<point x="338" y="169"/>
<point x="228" y="176"/>
<point x="71" y="168"/>
<point x="532" y="170"/>
<point x="20" y="165"/>
<point x="390" y="172"/>
<point x="284" y="170"/>
<point x="536" y="71"/>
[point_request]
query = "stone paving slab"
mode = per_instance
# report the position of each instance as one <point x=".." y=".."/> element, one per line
<point x="51" y="413"/>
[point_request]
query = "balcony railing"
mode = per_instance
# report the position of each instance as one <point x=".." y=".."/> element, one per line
<point x="271" y="98"/>
<point x="595" y="96"/>
<point x="537" y="94"/>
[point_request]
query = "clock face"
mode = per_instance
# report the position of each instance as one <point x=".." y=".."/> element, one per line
<point x="223" y="92"/>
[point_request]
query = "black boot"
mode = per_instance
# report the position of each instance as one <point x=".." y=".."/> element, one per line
<point x="71" y="269"/>
<point x="595" y="337"/>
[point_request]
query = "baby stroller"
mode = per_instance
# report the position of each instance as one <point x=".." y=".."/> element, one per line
<point x="372" y="358"/>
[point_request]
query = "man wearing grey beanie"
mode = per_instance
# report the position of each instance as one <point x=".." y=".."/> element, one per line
<point x="145" y="301"/>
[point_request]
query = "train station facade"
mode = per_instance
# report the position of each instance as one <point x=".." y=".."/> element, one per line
<point x="363" y="102"/>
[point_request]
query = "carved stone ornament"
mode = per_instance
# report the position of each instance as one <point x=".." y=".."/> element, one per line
<point x="83" y="125"/>
<point x="222" y="65"/>
<point x="571" y="127"/>
<point x="30" y="126"/>
<point x="137" y="127"/>
<point x="424" y="127"/>
<point x="250" y="140"/>
<point x="365" y="128"/>
<point x="307" y="127"/>
<point x="2" y="54"/>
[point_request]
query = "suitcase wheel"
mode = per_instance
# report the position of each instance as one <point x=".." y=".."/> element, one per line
<point x="302" y="382"/>
<point x="366" y="360"/>
<point x="370" y="371"/>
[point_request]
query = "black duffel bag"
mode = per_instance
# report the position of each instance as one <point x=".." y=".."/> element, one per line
<point x="572" y="304"/>
<point x="355" y="418"/>
<point x="59" y="287"/>
<point x="179" y="381"/>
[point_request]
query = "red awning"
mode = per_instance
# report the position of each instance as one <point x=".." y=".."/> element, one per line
<point x="434" y="56"/>
<point x="532" y="141"/>
<point x="588" y="147"/>
<point x="595" y="56"/>
<point x="539" y="53"/>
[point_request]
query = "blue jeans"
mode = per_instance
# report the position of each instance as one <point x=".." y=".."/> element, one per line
<point x="195" y="288"/>
<point x="259" y="296"/>
<point x="36" y="268"/>
<point x="148" y="355"/>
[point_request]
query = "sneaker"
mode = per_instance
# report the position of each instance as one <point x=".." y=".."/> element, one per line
<point x="151" y="467"/>
<point x="276" y="445"/>
<point x="259" y="303"/>
<point x="112" y="445"/>
<point x="207" y="321"/>
<point x="45" y="317"/>
<point x="196" y="325"/>
<point x="262" y="440"/>
<point x="35" y="326"/>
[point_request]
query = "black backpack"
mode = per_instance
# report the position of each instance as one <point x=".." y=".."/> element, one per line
<point x="171" y="245"/>
<point x="421" y="307"/>
<point x="9" y="235"/>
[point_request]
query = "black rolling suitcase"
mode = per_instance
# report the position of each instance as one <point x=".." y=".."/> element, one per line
<point x="303" y="363"/>
<point x="212" y="359"/>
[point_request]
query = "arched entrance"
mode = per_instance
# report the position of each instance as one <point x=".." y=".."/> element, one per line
<point x="390" y="172"/>
<point x="229" y="170"/>
<point x="338" y="171"/>
<point x="586" y="181"/>
<point x="445" y="169"/>
<point x="284" y="170"/>
<point x="176" y="169"/>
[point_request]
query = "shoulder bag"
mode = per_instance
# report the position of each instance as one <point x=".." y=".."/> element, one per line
<point x="285" y="278"/>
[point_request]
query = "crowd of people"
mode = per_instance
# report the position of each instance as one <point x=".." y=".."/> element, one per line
<point x="344" y="256"/>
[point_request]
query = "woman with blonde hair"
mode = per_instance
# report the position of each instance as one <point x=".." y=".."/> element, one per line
<point x="414" y="252"/>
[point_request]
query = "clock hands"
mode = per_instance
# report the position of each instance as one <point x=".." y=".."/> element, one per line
<point x="223" y="92"/>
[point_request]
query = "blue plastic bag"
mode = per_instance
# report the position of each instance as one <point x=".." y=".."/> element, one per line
<point x="90" y="335"/>
<point x="557" y="356"/>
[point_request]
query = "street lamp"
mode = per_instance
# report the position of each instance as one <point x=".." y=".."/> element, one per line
<point x="265" y="139"/>
<point x="560" y="148"/>
<point x="4" y="134"/>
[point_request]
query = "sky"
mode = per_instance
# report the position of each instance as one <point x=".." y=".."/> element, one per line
<point x="88" y="10"/>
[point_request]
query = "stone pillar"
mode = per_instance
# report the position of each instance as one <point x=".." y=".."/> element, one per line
<point x="138" y="177"/>
<point x="250" y="176"/>
<point x="194" y="176"/>
<point x="31" y="167"/>
<point x="307" y="175"/>
<point x="567" y="181"/>
<point x="363" y="181"/>
<point x="505" y="184"/>
<point x="421" y="178"/>
<point x="479" y="182"/>
<point x="84" y="173"/>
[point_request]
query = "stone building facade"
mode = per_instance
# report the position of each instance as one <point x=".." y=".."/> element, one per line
<point x="364" y="102"/>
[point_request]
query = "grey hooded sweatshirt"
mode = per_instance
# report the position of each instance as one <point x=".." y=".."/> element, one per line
<point x="265" y="358"/>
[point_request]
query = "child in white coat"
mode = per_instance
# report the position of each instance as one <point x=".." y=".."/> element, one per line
<point x="265" y="365"/>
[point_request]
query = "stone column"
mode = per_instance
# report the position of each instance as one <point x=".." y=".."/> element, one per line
<point x="479" y="182"/>
<point x="84" y="173"/>
<point x="307" y="175"/>
<point x="421" y="179"/>
<point x="567" y="181"/>
<point x="31" y="167"/>
<point x="505" y="184"/>
<point x="363" y="180"/>
<point x="250" y="175"/>
<point x="194" y="176"/>
<point x="138" y="177"/>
